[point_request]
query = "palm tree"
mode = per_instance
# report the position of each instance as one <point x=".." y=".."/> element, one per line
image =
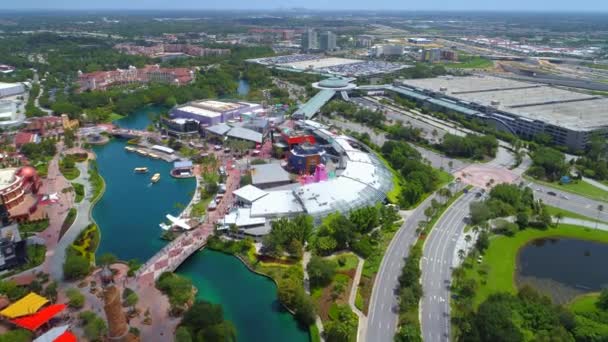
<point x="558" y="217"/>
<point x="461" y="254"/>
<point x="476" y="229"/>
<point x="467" y="239"/>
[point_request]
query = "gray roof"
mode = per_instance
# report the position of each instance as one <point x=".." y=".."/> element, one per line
<point x="268" y="173"/>
<point x="310" y="108"/>
<point x="219" y="129"/>
<point x="245" y="134"/>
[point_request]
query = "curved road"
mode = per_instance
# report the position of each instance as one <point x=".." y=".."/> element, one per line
<point x="384" y="304"/>
<point x="436" y="267"/>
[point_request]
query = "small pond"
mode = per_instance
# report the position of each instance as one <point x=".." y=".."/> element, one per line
<point x="563" y="268"/>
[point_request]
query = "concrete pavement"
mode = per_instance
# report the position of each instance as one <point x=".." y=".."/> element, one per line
<point x="80" y="223"/>
<point x="384" y="304"/>
<point x="436" y="267"/>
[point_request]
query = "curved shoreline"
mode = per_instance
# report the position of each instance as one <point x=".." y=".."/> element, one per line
<point x="276" y="284"/>
<point x="503" y="258"/>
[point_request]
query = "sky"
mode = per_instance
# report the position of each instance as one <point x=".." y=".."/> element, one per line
<point x="445" y="5"/>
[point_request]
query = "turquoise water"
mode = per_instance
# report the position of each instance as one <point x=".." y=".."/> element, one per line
<point x="243" y="88"/>
<point x="129" y="213"/>
<point x="249" y="300"/>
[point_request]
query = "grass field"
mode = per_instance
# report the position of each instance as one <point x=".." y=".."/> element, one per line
<point x="501" y="257"/>
<point x="471" y="63"/>
<point x="553" y="211"/>
<point x="597" y="66"/>
<point x="584" y="303"/>
<point x="115" y="116"/>
<point x="351" y="261"/>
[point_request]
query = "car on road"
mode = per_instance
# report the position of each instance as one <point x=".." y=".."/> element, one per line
<point x="551" y="193"/>
<point x="564" y="197"/>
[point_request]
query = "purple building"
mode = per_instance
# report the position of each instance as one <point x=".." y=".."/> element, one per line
<point x="210" y="112"/>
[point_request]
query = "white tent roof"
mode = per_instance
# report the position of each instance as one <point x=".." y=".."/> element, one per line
<point x="249" y="193"/>
<point x="52" y="334"/>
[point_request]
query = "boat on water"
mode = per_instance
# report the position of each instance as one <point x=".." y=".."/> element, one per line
<point x="152" y="155"/>
<point x="142" y="152"/>
<point x="155" y="178"/>
<point x="140" y="169"/>
<point x="129" y="148"/>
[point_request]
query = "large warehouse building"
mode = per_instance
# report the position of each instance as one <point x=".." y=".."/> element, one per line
<point x="524" y="109"/>
<point x="209" y="112"/>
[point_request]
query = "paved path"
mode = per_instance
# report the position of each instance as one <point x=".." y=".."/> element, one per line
<point x="56" y="212"/>
<point x="80" y="223"/>
<point x="584" y="223"/>
<point x="362" y="327"/>
<point x="596" y="183"/>
<point x="436" y="267"/>
<point x="305" y="260"/>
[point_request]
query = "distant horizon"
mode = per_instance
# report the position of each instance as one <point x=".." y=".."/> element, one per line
<point x="536" y="6"/>
<point x="398" y="10"/>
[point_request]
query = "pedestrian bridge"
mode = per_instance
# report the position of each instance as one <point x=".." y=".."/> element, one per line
<point x="173" y="254"/>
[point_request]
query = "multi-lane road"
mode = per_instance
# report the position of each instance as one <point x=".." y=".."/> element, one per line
<point x="436" y="266"/>
<point x="383" y="309"/>
<point x="440" y="246"/>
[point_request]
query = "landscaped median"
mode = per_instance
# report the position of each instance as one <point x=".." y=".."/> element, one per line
<point x="410" y="288"/>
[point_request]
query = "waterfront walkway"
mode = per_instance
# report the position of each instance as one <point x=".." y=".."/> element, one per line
<point x="173" y="254"/>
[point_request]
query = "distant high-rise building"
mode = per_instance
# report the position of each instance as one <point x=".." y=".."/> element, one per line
<point x="449" y="55"/>
<point x="327" y="41"/>
<point x="387" y="50"/>
<point x="365" y="41"/>
<point x="431" y="55"/>
<point x="310" y="40"/>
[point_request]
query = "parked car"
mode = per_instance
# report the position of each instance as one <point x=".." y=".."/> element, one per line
<point x="551" y="193"/>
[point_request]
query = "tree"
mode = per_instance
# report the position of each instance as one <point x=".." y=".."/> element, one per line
<point x="429" y="212"/>
<point x="18" y="335"/>
<point x="558" y="217"/>
<point x="132" y="300"/>
<point x="483" y="241"/>
<point x="461" y="254"/>
<point x="107" y="259"/>
<point x="320" y="271"/>
<point x="206" y="321"/>
<point x="51" y="291"/>
<point x="76" y="266"/>
<point x="602" y="301"/>
<point x="493" y="320"/>
<point x="182" y="335"/>
<point x="93" y="326"/>
<point x="76" y="299"/>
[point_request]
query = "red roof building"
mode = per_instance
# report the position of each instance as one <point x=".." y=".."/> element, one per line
<point x="23" y="138"/>
<point x="101" y="80"/>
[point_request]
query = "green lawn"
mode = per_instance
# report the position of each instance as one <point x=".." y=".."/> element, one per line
<point x="580" y="188"/>
<point x="393" y="195"/>
<point x="584" y="303"/>
<point x="78" y="191"/>
<point x="351" y="261"/>
<point x="554" y="210"/>
<point x="471" y="63"/>
<point x="501" y="257"/>
<point x="115" y="116"/>
<point x="597" y="66"/>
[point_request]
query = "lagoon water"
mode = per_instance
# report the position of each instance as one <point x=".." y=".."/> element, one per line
<point x="563" y="267"/>
<point x="129" y="213"/>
